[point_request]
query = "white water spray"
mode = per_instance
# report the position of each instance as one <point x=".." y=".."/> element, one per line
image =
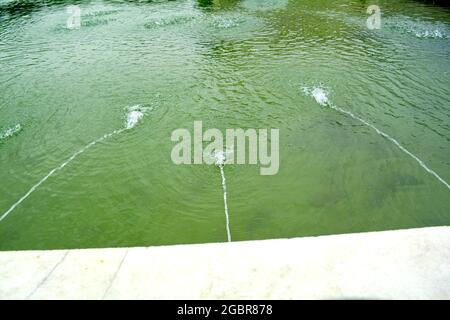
<point x="10" y="131"/>
<point x="321" y="96"/>
<point x="135" y="113"/>
<point x="221" y="158"/>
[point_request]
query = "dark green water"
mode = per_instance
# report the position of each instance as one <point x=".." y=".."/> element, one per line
<point x="231" y="64"/>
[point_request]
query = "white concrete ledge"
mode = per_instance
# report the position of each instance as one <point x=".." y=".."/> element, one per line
<point x="404" y="264"/>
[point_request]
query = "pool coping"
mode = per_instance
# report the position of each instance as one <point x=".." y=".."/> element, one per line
<point x="400" y="264"/>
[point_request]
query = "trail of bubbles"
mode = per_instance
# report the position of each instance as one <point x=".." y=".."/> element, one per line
<point x="134" y="115"/>
<point x="321" y="96"/>
<point x="220" y="158"/>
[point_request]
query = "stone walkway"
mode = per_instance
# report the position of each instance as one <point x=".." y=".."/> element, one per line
<point x="404" y="264"/>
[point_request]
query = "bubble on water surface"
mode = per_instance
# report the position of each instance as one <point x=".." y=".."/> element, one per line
<point x="221" y="157"/>
<point x="320" y="94"/>
<point x="9" y="132"/>
<point x="134" y="114"/>
<point x="170" y="21"/>
<point x="419" y="28"/>
<point x="226" y="21"/>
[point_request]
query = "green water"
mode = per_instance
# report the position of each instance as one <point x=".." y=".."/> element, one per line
<point x="231" y="64"/>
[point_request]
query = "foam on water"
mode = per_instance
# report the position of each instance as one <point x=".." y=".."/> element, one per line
<point x="321" y="96"/>
<point x="417" y="27"/>
<point x="133" y="118"/>
<point x="319" y="93"/>
<point x="171" y="20"/>
<point x="134" y="114"/>
<point x="400" y="23"/>
<point x="10" y="131"/>
<point x="221" y="158"/>
<point x="226" y="21"/>
<point x="430" y="34"/>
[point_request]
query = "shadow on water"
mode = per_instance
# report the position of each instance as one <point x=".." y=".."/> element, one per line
<point x="216" y="5"/>
<point x="444" y="3"/>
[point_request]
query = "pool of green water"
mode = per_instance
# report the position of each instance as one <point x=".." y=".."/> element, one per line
<point x="231" y="64"/>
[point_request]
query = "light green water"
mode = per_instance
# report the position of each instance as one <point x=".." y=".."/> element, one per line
<point x="231" y="64"/>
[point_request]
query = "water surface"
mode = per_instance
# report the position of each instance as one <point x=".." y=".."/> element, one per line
<point x="231" y="64"/>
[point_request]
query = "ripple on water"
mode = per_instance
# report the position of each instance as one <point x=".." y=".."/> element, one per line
<point x="238" y="67"/>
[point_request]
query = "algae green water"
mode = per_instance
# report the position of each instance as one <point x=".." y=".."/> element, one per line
<point x="231" y="64"/>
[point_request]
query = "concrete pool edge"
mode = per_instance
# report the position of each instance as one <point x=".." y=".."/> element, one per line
<point x="401" y="264"/>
